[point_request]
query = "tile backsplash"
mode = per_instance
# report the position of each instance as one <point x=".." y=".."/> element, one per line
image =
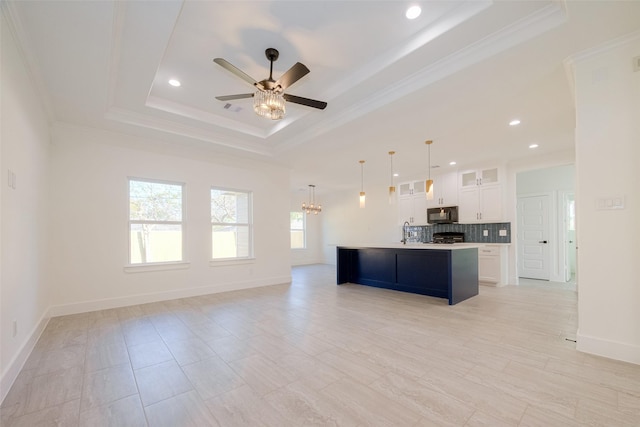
<point x="472" y="232"/>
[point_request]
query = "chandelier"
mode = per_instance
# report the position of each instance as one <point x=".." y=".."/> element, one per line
<point x="269" y="104"/>
<point x="311" y="206"/>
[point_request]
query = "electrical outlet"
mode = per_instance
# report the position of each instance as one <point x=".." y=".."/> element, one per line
<point x="485" y="233"/>
<point x="11" y="179"/>
<point x="502" y="233"/>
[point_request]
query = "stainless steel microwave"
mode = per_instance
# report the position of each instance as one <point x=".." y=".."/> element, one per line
<point x="443" y="215"/>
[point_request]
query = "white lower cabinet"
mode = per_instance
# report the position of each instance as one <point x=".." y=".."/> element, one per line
<point x="492" y="265"/>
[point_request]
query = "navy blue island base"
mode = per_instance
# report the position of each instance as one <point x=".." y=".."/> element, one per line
<point x="444" y="273"/>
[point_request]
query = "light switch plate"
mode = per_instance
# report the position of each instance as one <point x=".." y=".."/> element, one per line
<point x="610" y="203"/>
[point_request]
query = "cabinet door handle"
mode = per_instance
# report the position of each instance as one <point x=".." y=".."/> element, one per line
<point x="543" y="241"/>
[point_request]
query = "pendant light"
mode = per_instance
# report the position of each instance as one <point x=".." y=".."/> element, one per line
<point x="392" y="188"/>
<point x="429" y="183"/>
<point x="362" y="202"/>
<point x="311" y="206"/>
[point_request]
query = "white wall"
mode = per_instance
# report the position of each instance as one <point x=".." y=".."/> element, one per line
<point x="607" y="165"/>
<point x="90" y="229"/>
<point x="546" y="180"/>
<point x="24" y="285"/>
<point x="312" y="253"/>
<point x="344" y="222"/>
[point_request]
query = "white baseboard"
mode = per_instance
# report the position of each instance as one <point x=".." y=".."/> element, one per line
<point x="13" y="369"/>
<point x="107" y="303"/>
<point x="611" y="349"/>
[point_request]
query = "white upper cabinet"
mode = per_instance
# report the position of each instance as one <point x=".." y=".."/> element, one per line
<point x="445" y="191"/>
<point x="478" y="177"/>
<point x="411" y="188"/>
<point x="412" y="202"/>
<point x="480" y="196"/>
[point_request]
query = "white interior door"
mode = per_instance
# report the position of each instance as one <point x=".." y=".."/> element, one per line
<point x="533" y="237"/>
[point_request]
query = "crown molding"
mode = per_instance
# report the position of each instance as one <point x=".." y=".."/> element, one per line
<point x="122" y="115"/>
<point x="25" y="50"/>
<point x="602" y="48"/>
<point x="204" y="117"/>
<point x="523" y="30"/>
<point x="570" y="62"/>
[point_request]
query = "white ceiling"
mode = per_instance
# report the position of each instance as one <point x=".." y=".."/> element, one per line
<point x="456" y="75"/>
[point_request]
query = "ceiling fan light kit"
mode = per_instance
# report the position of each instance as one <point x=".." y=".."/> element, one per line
<point x="269" y="98"/>
<point x="269" y="104"/>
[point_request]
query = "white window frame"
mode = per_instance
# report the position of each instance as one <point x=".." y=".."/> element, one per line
<point x="162" y="265"/>
<point x="304" y="230"/>
<point x="233" y="260"/>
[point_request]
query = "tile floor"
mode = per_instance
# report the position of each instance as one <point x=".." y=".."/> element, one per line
<point x="313" y="353"/>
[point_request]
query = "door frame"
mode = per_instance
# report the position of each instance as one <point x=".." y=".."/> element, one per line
<point x="551" y="227"/>
<point x="564" y="197"/>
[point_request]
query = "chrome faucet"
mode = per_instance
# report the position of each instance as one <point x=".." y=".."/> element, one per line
<point x="404" y="232"/>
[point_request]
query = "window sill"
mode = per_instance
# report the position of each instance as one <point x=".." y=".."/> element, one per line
<point x="142" y="268"/>
<point x="231" y="261"/>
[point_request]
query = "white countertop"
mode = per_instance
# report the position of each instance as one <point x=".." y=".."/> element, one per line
<point x="439" y="246"/>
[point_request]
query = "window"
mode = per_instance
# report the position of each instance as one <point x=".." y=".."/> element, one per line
<point x="231" y="224"/>
<point x="297" y="230"/>
<point x="155" y="221"/>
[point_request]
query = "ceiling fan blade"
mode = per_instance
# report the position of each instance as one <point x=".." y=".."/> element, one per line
<point x="292" y="75"/>
<point x="305" y="101"/>
<point x="235" y="70"/>
<point x="232" y="97"/>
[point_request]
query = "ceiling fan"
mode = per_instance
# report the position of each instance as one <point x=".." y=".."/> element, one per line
<point x="269" y="98"/>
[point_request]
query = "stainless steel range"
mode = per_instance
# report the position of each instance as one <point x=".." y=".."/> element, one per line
<point x="448" y="237"/>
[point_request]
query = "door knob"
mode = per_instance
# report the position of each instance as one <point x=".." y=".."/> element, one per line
<point x="542" y="241"/>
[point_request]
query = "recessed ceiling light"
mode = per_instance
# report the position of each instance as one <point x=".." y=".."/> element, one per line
<point x="515" y="122"/>
<point x="174" y="82"/>
<point x="413" y="12"/>
<point x="452" y="163"/>
<point x="533" y="146"/>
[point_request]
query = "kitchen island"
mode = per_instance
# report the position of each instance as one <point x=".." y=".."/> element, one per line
<point x="438" y="270"/>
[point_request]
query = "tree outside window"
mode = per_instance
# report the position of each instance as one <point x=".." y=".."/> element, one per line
<point x="155" y="222"/>
<point x="231" y="224"/>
